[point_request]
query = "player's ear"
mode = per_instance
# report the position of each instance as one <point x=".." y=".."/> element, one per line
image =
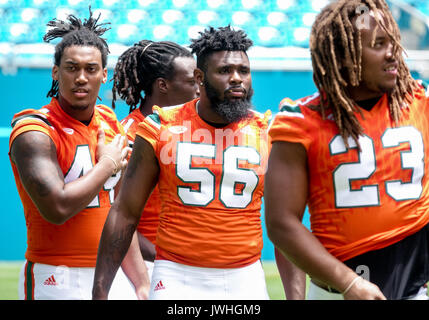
<point x="104" y="75"/>
<point x="199" y="76"/>
<point x="55" y="72"/>
<point x="162" y="85"/>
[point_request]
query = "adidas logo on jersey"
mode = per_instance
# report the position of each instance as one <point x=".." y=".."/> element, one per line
<point x="50" y="281"/>
<point x="159" y="286"/>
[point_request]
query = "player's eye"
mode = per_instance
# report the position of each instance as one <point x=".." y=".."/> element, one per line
<point x="224" y="70"/>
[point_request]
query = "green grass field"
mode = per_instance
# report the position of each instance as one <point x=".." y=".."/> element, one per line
<point x="9" y="274"/>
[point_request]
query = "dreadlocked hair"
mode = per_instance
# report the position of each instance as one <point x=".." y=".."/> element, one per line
<point x="336" y="54"/>
<point x="75" y="32"/>
<point x="139" y="66"/>
<point x="221" y="39"/>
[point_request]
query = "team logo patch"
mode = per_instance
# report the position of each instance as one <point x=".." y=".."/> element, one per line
<point x="68" y="130"/>
<point x="177" y="129"/>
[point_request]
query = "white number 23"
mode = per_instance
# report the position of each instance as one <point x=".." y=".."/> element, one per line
<point x="365" y="167"/>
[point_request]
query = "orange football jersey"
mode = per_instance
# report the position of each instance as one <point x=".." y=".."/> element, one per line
<point x="148" y="224"/>
<point x="211" y="184"/>
<point x="367" y="200"/>
<point x="75" y="242"/>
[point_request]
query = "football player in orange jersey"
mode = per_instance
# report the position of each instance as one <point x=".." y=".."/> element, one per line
<point x="66" y="173"/>
<point x="354" y="153"/>
<point x="164" y="72"/>
<point x="208" y="157"/>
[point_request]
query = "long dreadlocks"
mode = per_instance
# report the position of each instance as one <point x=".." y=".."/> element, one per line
<point x="336" y="53"/>
<point x="76" y="32"/>
<point x="139" y="66"/>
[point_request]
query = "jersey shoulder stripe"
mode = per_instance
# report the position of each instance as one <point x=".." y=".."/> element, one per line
<point x="426" y="88"/>
<point x="154" y="120"/>
<point x="38" y="117"/>
<point x="290" y="108"/>
<point x="293" y="111"/>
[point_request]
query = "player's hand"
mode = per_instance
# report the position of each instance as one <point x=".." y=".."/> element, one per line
<point x="364" y="290"/>
<point x="142" y="292"/>
<point x="116" y="151"/>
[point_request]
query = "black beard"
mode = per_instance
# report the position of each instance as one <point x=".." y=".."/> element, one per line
<point x="230" y="110"/>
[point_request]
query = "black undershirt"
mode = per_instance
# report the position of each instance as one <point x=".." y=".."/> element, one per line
<point x="399" y="270"/>
<point x="368" y="104"/>
<point x="214" y="124"/>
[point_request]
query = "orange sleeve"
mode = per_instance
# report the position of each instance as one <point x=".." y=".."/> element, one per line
<point x="29" y="120"/>
<point x="149" y="129"/>
<point x="291" y="125"/>
<point x="131" y="123"/>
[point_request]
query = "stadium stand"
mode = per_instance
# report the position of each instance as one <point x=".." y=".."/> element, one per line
<point x="274" y="23"/>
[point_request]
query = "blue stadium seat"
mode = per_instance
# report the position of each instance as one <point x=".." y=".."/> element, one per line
<point x="244" y="19"/>
<point x="282" y="5"/>
<point x="126" y="34"/>
<point x="20" y="33"/>
<point x="301" y="36"/>
<point x="184" y="5"/>
<point x="268" y="36"/>
<point x="205" y="17"/>
<point x="217" y="5"/>
<point x="148" y="4"/>
<point x="25" y="15"/>
<point x="9" y="4"/>
<point x="136" y="16"/>
<point x="251" y="5"/>
<point x="276" y="19"/>
<point x="164" y="32"/>
<point x="270" y="22"/>
<point x="173" y="17"/>
<point x="5" y="15"/>
<point x="40" y="4"/>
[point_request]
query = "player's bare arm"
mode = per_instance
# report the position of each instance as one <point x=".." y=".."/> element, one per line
<point x="34" y="154"/>
<point x="134" y="267"/>
<point x="147" y="248"/>
<point x="138" y="182"/>
<point x="293" y="278"/>
<point x="287" y="171"/>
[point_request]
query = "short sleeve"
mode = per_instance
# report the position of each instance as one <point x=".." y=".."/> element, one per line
<point x="149" y="129"/>
<point x="30" y="120"/>
<point x="291" y="124"/>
